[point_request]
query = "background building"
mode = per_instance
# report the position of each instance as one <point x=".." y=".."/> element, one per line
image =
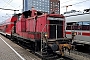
<point x="42" y="5"/>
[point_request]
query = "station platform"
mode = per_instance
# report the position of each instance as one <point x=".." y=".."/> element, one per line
<point x="11" y="51"/>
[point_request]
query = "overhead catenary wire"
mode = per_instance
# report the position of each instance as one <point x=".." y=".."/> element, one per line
<point x="80" y="2"/>
<point x="9" y="1"/>
<point x="66" y="1"/>
<point x="9" y="9"/>
<point x="16" y="10"/>
<point x="10" y="4"/>
<point x="6" y="4"/>
<point x="76" y="3"/>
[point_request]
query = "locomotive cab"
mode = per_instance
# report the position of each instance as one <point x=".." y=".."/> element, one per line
<point x="54" y="35"/>
<point x="56" y="26"/>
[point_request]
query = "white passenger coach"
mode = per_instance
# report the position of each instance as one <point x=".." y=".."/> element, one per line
<point x="79" y="23"/>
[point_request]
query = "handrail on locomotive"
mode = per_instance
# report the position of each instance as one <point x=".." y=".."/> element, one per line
<point x="61" y="45"/>
<point x="45" y="35"/>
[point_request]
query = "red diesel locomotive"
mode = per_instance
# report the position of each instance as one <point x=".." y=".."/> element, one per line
<point x="41" y="32"/>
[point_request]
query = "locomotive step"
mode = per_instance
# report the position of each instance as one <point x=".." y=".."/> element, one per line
<point x="51" y="42"/>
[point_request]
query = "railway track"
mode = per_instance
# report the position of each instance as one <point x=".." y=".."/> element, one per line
<point x="53" y="56"/>
<point x="56" y="57"/>
<point x="76" y="55"/>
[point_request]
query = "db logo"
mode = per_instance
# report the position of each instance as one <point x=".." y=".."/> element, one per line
<point x="79" y="33"/>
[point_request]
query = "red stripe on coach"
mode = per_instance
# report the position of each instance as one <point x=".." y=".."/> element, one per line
<point x="85" y="34"/>
<point x="68" y="32"/>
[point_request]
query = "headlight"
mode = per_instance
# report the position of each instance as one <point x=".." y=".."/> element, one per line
<point x="45" y="34"/>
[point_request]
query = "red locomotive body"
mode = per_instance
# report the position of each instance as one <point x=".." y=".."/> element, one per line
<point x="32" y="27"/>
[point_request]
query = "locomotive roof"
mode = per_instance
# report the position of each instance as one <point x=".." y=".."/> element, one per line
<point x="56" y="15"/>
<point x="29" y="12"/>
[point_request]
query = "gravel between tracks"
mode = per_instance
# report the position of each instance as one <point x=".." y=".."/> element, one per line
<point x="75" y="55"/>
